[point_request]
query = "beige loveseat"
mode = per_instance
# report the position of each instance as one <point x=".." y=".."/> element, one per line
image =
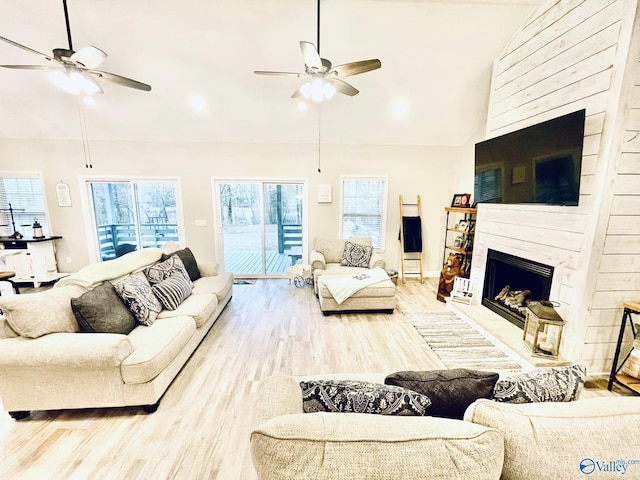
<point x="328" y="253"/>
<point x="495" y="440"/>
<point x="51" y="366"/>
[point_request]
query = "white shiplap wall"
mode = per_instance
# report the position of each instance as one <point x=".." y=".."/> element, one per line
<point x="569" y="55"/>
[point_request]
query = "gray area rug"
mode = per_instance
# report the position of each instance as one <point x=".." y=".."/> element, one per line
<point x="457" y="343"/>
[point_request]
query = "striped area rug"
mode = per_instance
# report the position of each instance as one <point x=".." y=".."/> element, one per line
<point x="457" y="343"/>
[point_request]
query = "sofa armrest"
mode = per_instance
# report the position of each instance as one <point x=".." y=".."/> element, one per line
<point x="279" y="395"/>
<point x="65" y="349"/>
<point x="377" y="261"/>
<point x="317" y="260"/>
<point x="209" y="269"/>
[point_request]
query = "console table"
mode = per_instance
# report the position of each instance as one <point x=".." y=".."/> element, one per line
<point x="33" y="260"/>
<point x="626" y="381"/>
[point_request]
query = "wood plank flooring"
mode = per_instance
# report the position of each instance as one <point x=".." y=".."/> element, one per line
<point x="201" y="430"/>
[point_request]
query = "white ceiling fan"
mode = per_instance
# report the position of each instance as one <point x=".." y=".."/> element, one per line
<point x="323" y="79"/>
<point x="74" y="71"/>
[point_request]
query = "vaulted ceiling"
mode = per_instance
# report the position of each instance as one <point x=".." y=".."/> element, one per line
<point x="199" y="57"/>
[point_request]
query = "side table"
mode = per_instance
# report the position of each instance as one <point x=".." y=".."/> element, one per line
<point x="626" y="381"/>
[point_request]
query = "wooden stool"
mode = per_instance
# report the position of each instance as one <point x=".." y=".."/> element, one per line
<point x="6" y="276"/>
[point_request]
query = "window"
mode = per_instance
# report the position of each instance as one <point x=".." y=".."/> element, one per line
<point x="363" y="209"/>
<point x="488" y="185"/>
<point x="133" y="214"/>
<point x="25" y="195"/>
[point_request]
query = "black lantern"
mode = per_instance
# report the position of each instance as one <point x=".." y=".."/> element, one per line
<point x="37" y="229"/>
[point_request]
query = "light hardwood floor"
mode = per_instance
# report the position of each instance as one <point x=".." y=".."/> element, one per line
<point x="201" y="430"/>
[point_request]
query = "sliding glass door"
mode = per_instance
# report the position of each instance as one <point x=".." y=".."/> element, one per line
<point x="133" y="214"/>
<point x="262" y="226"/>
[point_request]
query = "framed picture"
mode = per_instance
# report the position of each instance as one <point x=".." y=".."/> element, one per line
<point x="457" y="242"/>
<point x="463" y="225"/>
<point x="457" y="200"/>
<point x="465" y="200"/>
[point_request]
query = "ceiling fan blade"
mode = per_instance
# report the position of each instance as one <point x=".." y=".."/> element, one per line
<point x="342" y="87"/>
<point x="297" y="93"/>
<point x="120" y="80"/>
<point x="355" y="68"/>
<point x="284" y="74"/>
<point x="16" y="44"/>
<point x="89" y="57"/>
<point x="29" y="67"/>
<point x="310" y="55"/>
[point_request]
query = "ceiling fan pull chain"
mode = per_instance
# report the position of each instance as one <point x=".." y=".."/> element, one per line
<point x="85" y="138"/>
<point x="318" y="27"/>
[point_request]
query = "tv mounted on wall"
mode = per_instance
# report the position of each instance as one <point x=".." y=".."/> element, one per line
<point x="537" y="164"/>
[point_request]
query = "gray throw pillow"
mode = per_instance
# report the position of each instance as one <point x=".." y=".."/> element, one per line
<point x="189" y="261"/>
<point x="450" y="391"/>
<point x="101" y="310"/>
<point x="172" y="291"/>
<point x="356" y="255"/>
<point x="352" y="396"/>
<point x="137" y="295"/>
<point x="556" y="384"/>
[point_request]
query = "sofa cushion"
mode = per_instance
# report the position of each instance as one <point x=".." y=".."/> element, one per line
<point x="333" y="248"/>
<point x="563" y="440"/>
<point x="450" y="391"/>
<point x="101" y="310"/>
<point x="199" y="306"/>
<point x="172" y="291"/>
<point x="356" y="255"/>
<point x="137" y="295"/>
<point x="162" y="270"/>
<point x="354" y="396"/>
<point x="351" y="446"/>
<point x="188" y="260"/>
<point x="155" y="347"/>
<point x="557" y="384"/>
<point x="32" y="315"/>
<point x="220" y="285"/>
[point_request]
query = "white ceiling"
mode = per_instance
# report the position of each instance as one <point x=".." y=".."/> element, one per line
<point x="436" y="68"/>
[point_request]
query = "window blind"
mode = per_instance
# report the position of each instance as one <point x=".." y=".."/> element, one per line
<point x="25" y="194"/>
<point x="363" y="209"/>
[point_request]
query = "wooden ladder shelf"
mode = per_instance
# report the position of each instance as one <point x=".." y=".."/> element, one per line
<point x="413" y="255"/>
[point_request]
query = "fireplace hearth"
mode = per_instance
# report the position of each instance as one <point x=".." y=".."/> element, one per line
<point x="510" y="282"/>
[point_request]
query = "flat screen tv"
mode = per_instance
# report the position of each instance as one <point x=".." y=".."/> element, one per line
<point x="537" y="164"/>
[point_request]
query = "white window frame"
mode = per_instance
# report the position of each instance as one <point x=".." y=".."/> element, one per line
<point x="45" y="222"/>
<point x="385" y="198"/>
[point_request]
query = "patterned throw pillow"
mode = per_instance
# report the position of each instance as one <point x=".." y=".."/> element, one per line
<point x="356" y="255"/>
<point x="172" y="291"/>
<point x="450" y="391"/>
<point x="137" y="295"/>
<point x="557" y="384"/>
<point x="189" y="261"/>
<point x="162" y="270"/>
<point x="352" y="396"/>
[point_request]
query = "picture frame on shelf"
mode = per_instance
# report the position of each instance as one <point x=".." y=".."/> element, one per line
<point x="457" y="200"/>
<point x="458" y="241"/>
<point x="463" y="226"/>
<point x="465" y="200"/>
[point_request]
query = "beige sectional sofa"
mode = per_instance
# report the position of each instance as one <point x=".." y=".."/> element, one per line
<point x="46" y="364"/>
<point x="495" y="440"/>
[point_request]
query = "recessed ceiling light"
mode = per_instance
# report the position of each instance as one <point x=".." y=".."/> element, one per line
<point x="197" y="103"/>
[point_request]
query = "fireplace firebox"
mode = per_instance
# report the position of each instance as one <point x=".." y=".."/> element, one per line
<point x="511" y="281"/>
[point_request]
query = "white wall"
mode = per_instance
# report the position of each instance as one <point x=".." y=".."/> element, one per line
<point x="434" y="173"/>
